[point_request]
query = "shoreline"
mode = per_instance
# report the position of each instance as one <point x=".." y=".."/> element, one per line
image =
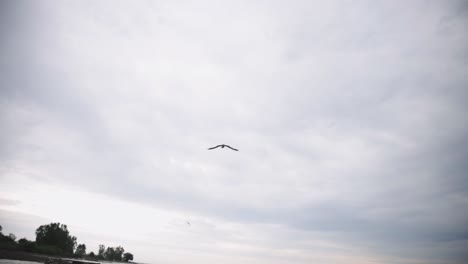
<point x="27" y="256"/>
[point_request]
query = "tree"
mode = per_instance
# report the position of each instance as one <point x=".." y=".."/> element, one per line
<point x="118" y="252"/>
<point x="80" y="250"/>
<point x="109" y="255"/>
<point x="113" y="253"/>
<point x="101" y="252"/>
<point x="56" y="235"/>
<point x="12" y="236"/>
<point x="92" y="255"/>
<point x="127" y="256"/>
<point x="26" y="245"/>
<point x="8" y="242"/>
<point x="8" y="239"/>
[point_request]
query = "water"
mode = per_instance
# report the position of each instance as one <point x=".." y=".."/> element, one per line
<point x="9" y="261"/>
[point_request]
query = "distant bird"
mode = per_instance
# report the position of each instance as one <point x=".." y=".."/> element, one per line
<point x="222" y="146"/>
<point x="188" y="223"/>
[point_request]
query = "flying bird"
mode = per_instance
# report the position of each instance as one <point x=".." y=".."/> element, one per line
<point x="222" y="146"/>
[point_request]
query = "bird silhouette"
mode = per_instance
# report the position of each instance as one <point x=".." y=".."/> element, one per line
<point x="222" y="146"/>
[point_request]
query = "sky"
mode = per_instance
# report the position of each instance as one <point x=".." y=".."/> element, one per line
<point x="349" y="116"/>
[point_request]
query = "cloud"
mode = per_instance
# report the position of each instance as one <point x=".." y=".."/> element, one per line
<point x="123" y="100"/>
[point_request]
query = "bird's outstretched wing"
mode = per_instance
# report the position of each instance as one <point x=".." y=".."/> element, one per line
<point x="215" y="147"/>
<point x="232" y="148"/>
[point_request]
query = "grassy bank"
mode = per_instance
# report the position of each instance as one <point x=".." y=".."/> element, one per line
<point x="26" y="256"/>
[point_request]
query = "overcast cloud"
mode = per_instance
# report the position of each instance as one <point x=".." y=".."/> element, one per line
<point x="350" y="118"/>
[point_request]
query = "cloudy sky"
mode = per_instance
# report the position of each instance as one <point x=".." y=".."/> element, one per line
<point x="350" y="117"/>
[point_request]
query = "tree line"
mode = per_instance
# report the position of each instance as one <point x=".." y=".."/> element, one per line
<point x="55" y="239"/>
